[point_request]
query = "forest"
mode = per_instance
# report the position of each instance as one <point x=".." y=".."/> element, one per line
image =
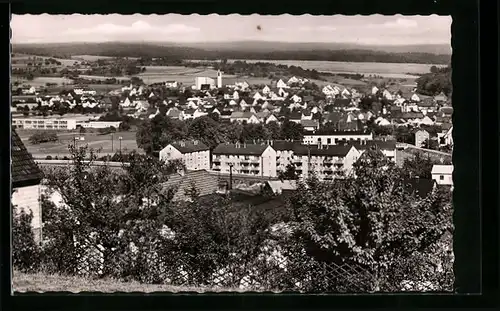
<point x="178" y="52"/>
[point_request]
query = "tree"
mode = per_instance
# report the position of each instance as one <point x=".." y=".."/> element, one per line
<point x="288" y="174"/>
<point x="430" y="144"/>
<point x="369" y="221"/>
<point x="43" y="137"/>
<point x="291" y="130"/>
<point x="273" y="130"/>
<point x="206" y="130"/>
<point x="418" y="166"/>
<point x="25" y="251"/>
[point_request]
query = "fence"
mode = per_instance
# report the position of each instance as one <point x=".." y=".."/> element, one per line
<point x="271" y="271"/>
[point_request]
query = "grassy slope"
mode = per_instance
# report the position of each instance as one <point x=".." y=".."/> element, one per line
<point x="39" y="282"/>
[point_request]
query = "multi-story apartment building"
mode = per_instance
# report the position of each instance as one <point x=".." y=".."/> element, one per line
<point x="246" y="159"/>
<point x="284" y="153"/>
<point x="325" y="162"/>
<point x="337" y="137"/>
<point x="194" y="154"/>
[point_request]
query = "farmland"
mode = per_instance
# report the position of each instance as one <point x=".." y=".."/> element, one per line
<point x="388" y="70"/>
<point x="42" y="81"/>
<point x="93" y="140"/>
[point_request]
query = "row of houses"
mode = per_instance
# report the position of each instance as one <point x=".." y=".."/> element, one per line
<point x="332" y="159"/>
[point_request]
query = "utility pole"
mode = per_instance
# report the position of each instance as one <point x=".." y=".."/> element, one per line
<point x="120" y="139"/>
<point x="112" y="142"/>
<point x="231" y="176"/>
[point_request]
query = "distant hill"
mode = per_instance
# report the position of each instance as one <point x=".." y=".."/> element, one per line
<point x="246" y="50"/>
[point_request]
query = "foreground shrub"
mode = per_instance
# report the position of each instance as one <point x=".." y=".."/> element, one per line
<point x="25" y="251"/>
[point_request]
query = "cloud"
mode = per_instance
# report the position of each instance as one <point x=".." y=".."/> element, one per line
<point x="138" y="27"/>
<point x="401" y="23"/>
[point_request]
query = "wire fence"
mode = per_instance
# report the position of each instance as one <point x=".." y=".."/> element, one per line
<point x="268" y="272"/>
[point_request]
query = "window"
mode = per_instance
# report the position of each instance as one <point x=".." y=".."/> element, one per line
<point x="441" y="177"/>
<point x="328" y="141"/>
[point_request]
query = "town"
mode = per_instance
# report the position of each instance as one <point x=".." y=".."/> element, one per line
<point x="231" y="174"/>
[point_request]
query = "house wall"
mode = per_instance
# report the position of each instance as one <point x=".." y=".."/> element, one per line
<point x="268" y="160"/>
<point x="420" y="137"/>
<point x="28" y="199"/>
<point x="170" y="153"/>
<point x="197" y="160"/>
<point x="443" y="179"/>
<point x="283" y="158"/>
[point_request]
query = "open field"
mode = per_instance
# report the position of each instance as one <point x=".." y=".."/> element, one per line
<point x="41" y="282"/>
<point x="42" y="81"/>
<point x="25" y="57"/>
<point x="389" y="70"/>
<point x="93" y="140"/>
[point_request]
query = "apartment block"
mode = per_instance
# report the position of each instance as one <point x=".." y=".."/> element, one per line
<point x="245" y="159"/>
<point x="325" y="162"/>
<point x="44" y="123"/>
<point x="337" y="137"/>
<point x="194" y="154"/>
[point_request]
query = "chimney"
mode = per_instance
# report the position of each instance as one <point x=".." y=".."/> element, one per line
<point x="244" y="145"/>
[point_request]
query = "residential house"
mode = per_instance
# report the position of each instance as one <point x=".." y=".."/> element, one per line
<point x="421" y="136"/>
<point x="293" y="80"/>
<point x="257" y="96"/>
<point x="175" y="113"/>
<point x="26" y="179"/>
<point x="281" y="84"/>
<point x="443" y="174"/>
<point x="266" y="90"/>
<point x="277" y="187"/>
<point x="245" y="159"/>
<point x="272" y="118"/>
<point x="182" y="183"/>
<point x="199" y="113"/>
<point x="387" y="147"/>
<point x="441" y="98"/>
<point x="374" y="90"/>
<point x="244" y="117"/>
<point x="325" y="162"/>
<point x="446" y="137"/>
<point x="310" y="125"/>
<point x="415" y="98"/>
<point x="171" y="84"/>
<point x="194" y="154"/>
<point x="387" y="95"/>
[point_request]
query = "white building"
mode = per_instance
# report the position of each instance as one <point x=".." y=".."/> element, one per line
<point x="325" y="162"/>
<point x="245" y="159"/>
<point x="337" y="137"/>
<point x="194" y="154"/>
<point x="99" y="124"/>
<point x="219" y="79"/>
<point x="201" y="81"/>
<point x="443" y="174"/>
<point x="45" y="123"/>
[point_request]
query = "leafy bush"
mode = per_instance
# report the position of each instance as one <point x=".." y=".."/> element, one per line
<point x="25" y="251"/>
<point x="43" y="137"/>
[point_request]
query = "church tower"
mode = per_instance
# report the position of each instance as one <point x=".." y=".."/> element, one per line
<point x="219" y="79"/>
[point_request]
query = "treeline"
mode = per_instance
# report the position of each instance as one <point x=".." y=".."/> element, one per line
<point x="436" y="81"/>
<point x="114" y="49"/>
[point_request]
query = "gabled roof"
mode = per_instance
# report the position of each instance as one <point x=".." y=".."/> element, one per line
<point x="202" y="180"/>
<point x="242" y="114"/>
<point x="282" y="145"/>
<point x="442" y="169"/>
<point x="190" y="146"/>
<point x="23" y="167"/>
<point x="240" y="149"/>
<point x="334" y="151"/>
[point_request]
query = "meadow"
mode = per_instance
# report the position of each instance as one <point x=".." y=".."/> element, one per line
<point x="388" y="70"/>
<point x="42" y="81"/>
<point x="103" y="143"/>
<point x="91" y="58"/>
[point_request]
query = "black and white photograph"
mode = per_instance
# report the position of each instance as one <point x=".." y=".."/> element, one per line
<point x="232" y="153"/>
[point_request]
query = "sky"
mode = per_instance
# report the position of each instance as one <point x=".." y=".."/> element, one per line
<point x="373" y="29"/>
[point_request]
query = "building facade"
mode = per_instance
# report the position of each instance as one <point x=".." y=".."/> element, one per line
<point x="420" y="137"/>
<point x="325" y="162"/>
<point x="336" y="138"/>
<point x="443" y="174"/>
<point x="245" y="159"/>
<point x="45" y="123"/>
<point x="194" y="154"/>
